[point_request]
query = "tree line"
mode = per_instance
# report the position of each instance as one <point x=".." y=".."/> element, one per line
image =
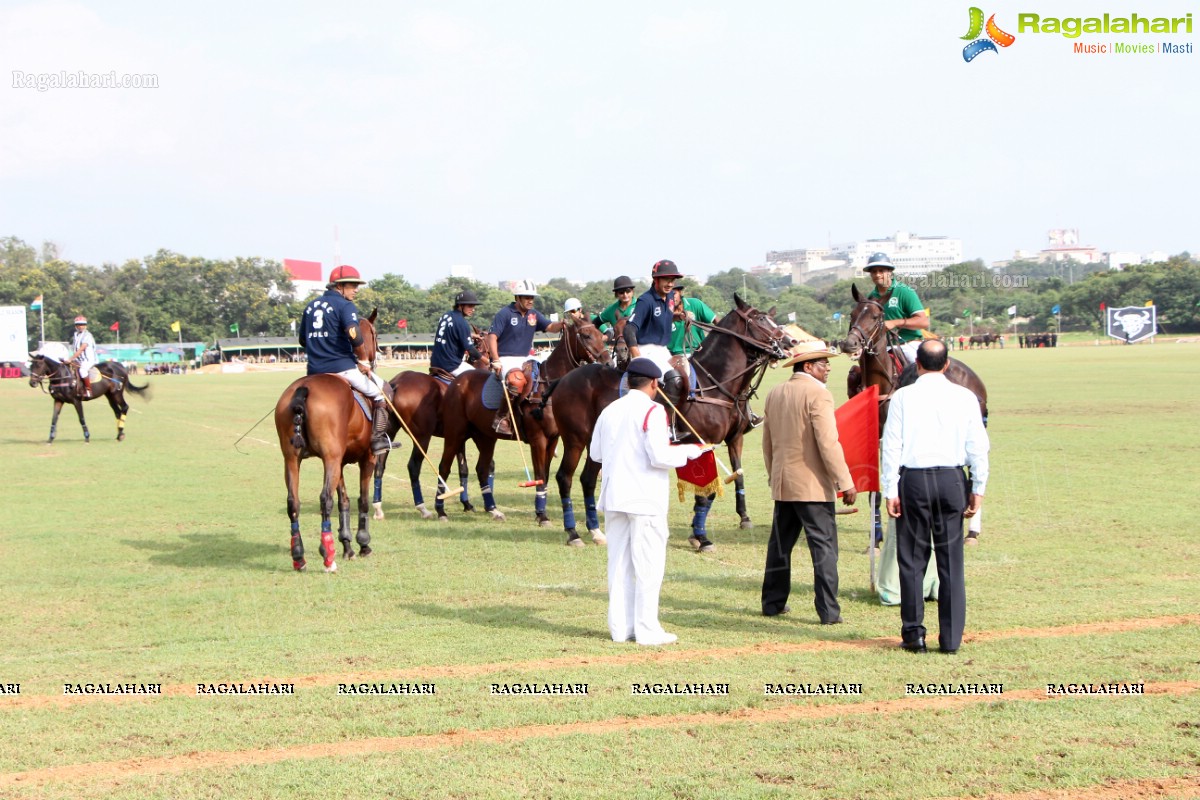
<point x="209" y="298"/>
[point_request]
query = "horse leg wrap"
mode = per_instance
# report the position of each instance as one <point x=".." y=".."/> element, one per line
<point x="591" y="515"/>
<point x="539" y="503"/>
<point x="121" y="423"/>
<point x="568" y="514"/>
<point x="344" y="525"/>
<point x="327" y="551"/>
<point x="297" y="548"/>
<point x="489" y="502"/>
<point x="377" y="497"/>
<point x="700" y="509"/>
<point x="418" y="495"/>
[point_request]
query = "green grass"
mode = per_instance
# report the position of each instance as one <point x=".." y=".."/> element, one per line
<point x="164" y="558"/>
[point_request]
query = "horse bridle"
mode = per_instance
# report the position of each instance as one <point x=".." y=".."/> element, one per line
<point x="868" y="339"/>
<point x="50" y="377"/>
<point x="763" y="353"/>
<point x="568" y="338"/>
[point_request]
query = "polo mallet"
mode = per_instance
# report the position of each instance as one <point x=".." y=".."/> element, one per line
<point x="529" y="482"/>
<point x="448" y="493"/>
<point x="730" y="475"/>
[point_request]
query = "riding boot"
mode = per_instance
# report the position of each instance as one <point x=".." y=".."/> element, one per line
<point x="87" y="387"/>
<point x="673" y="386"/>
<point x="380" y="443"/>
<point x="853" y="384"/>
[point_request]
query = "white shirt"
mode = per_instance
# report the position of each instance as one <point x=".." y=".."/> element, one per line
<point x="934" y="423"/>
<point x="637" y="464"/>
<point x="85" y="340"/>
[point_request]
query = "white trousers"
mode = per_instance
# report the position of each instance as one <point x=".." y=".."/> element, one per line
<point x="509" y="363"/>
<point x="660" y="355"/>
<point x="461" y="368"/>
<point x="910" y="350"/>
<point x="85" y="367"/>
<point x="367" y="384"/>
<point x="637" y="560"/>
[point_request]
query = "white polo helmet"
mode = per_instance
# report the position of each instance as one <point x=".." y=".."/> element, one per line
<point x="572" y="304"/>
<point x="525" y="288"/>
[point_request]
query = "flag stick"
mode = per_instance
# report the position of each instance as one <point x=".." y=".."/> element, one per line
<point x="731" y="476"/>
<point x="871" y="536"/>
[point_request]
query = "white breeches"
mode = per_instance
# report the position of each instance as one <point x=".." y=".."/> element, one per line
<point x="368" y="385"/>
<point x="509" y="363"/>
<point x="637" y="559"/>
<point x="461" y="368"/>
<point x="660" y="355"/>
<point x="85" y="368"/>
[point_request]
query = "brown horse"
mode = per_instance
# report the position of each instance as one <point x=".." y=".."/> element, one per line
<point x="418" y="398"/>
<point x="61" y="381"/>
<point x="729" y="365"/>
<point x="876" y="367"/>
<point x="318" y="416"/>
<point x="465" y="416"/>
<point x="868" y="338"/>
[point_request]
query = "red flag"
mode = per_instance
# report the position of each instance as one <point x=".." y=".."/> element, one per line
<point x="116" y="326"/>
<point x="858" y="431"/>
<point x="1102" y="306"/>
<point x="700" y="475"/>
<point x="402" y="324"/>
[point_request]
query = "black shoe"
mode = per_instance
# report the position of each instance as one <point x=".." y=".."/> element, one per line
<point x="916" y="645"/>
<point x="948" y="652"/>
<point x="780" y="613"/>
<point x="834" y="621"/>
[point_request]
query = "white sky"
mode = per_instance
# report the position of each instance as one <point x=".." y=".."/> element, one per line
<point x="541" y="139"/>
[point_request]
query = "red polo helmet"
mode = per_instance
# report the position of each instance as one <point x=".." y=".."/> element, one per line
<point x="81" y="320"/>
<point x="345" y="274"/>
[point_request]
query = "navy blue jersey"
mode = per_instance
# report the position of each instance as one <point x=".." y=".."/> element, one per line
<point x="451" y="340"/>
<point x="514" y="330"/>
<point x="323" y="333"/>
<point x="652" y="318"/>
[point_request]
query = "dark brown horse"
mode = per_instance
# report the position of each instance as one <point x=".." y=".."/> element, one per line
<point x="61" y="381"/>
<point x="729" y="366"/>
<point x="877" y="367"/>
<point x="318" y="416"/>
<point x="418" y="398"/>
<point x="868" y="338"/>
<point x="465" y="416"/>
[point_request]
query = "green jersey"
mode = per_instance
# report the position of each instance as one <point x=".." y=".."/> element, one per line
<point x="609" y="315"/>
<point x="903" y="304"/>
<point x="695" y="334"/>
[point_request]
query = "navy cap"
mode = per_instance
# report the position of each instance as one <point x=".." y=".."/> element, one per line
<point x="644" y="366"/>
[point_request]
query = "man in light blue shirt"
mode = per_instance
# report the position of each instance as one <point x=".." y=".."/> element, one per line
<point x="934" y="428"/>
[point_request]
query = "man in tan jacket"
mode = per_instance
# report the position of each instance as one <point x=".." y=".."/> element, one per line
<point x="807" y="469"/>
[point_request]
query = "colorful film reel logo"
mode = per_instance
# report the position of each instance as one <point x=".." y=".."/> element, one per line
<point x="994" y="37"/>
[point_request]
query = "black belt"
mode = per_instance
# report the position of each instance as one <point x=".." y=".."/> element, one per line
<point x="927" y="469"/>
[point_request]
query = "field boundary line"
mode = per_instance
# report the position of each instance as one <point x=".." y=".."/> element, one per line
<point x="425" y="674"/>
<point x="790" y="712"/>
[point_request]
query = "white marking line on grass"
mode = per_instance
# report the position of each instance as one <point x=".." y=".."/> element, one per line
<point x="215" y="759"/>
<point x="452" y="671"/>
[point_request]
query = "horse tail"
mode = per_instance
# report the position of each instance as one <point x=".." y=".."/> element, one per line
<point x="141" y="391"/>
<point x="539" y="412"/>
<point x="299" y="412"/>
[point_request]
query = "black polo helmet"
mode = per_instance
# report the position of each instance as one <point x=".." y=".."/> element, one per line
<point x="665" y="269"/>
<point x="623" y="282"/>
<point x="466" y="298"/>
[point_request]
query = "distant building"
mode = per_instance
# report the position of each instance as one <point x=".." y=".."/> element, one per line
<point x="913" y="256"/>
<point x="306" y="277"/>
<point x="1064" y="244"/>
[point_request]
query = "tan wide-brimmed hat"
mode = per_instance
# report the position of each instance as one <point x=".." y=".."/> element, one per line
<point x="808" y="351"/>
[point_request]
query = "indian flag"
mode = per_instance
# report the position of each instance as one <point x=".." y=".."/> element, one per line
<point x="36" y="305"/>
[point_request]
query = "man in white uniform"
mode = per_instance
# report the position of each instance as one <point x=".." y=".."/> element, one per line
<point x="631" y="441"/>
<point x="83" y="352"/>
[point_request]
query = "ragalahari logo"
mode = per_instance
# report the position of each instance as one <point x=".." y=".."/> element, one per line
<point x="995" y="36"/>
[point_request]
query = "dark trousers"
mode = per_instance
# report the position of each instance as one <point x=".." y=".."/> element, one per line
<point x="820" y="527"/>
<point x="932" y="501"/>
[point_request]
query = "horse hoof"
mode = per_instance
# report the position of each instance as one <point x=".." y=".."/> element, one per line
<point x="378" y="510"/>
<point x="332" y="567"/>
<point x="364" y="550"/>
<point x="424" y="512"/>
<point x="497" y="515"/>
<point x="971" y="541"/>
<point x="544" y="523"/>
<point x="348" y="554"/>
<point x="443" y="519"/>
<point x="574" y="541"/>
<point x="120" y="437"/>
<point x="746" y="525"/>
<point x="299" y="566"/>
<point x="598" y="536"/>
<point x="467" y="507"/>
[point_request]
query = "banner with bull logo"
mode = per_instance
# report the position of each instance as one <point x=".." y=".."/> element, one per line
<point x="1132" y="323"/>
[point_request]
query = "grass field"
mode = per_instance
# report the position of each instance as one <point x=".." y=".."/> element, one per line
<point x="164" y="559"/>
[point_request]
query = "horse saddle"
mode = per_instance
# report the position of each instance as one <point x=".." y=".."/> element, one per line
<point x="94" y="374"/>
<point x="442" y="375"/>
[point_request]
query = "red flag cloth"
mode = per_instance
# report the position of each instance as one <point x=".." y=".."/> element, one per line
<point x="858" y="431"/>
<point x="402" y="324"/>
<point x="116" y="326"/>
<point x="701" y="473"/>
<point x="1102" y="306"/>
